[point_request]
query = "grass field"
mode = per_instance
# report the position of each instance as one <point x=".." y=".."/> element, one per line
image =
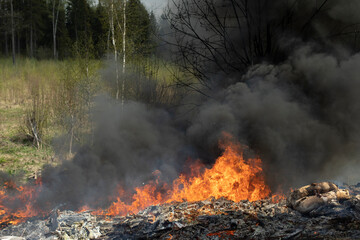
<point x="17" y="154"/>
<point x="29" y="84"/>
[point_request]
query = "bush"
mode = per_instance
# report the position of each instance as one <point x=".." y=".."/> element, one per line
<point x="36" y="117"/>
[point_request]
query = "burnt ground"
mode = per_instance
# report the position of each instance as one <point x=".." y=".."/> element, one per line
<point x="209" y="219"/>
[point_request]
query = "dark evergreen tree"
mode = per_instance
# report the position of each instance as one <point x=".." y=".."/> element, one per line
<point x="100" y="28"/>
<point x="154" y="32"/>
<point x="138" y="28"/>
<point x="77" y="22"/>
<point x="36" y="20"/>
<point x="78" y="19"/>
<point x="63" y="40"/>
<point x="5" y="27"/>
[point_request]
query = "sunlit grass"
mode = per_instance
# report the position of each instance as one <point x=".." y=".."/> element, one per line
<point x="50" y="84"/>
<point x="15" y="81"/>
<point x="17" y="155"/>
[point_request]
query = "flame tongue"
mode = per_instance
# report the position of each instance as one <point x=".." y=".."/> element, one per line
<point x="231" y="177"/>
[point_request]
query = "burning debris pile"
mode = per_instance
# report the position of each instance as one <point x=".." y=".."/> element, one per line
<point x="233" y="177"/>
<point x="228" y="201"/>
<point x="335" y="214"/>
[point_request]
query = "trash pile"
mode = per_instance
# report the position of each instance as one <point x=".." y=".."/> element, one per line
<point x="319" y="210"/>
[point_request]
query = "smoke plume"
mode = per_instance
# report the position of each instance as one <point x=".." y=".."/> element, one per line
<point x="302" y="116"/>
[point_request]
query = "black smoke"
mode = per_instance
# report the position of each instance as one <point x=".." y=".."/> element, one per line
<point x="302" y="116"/>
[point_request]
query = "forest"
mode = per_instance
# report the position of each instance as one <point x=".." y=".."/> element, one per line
<point x="50" y="29"/>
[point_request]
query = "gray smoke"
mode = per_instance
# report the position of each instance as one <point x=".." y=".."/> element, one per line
<point x="130" y="143"/>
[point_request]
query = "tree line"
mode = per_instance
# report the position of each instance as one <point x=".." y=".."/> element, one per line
<point x="57" y="28"/>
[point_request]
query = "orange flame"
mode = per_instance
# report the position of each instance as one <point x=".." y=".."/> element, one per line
<point x="232" y="177"/>
<point x="24" y="197"/>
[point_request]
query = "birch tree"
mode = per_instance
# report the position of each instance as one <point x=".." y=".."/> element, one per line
<point x="113" y="40"/>
<point x="121" y="28"/>
<point x="12" y="31"/>
<point x="124" y="54"/>
<point x="55" y="18"/>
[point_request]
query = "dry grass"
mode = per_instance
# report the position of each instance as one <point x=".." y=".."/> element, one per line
<point x="61" y="90"/>
<point x="20" y="86"/>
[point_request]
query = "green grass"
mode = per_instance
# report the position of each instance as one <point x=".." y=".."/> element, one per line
<point x="16" y="154"/>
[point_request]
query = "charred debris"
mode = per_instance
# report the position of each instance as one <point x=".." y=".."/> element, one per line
<point x="316" y="211"/>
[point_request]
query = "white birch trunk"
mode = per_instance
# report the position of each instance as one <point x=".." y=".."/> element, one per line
<point x="124" y="56"/>
<point x="112" y="27"/>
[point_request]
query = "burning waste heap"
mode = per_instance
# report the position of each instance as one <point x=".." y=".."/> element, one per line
<point x="323" y="212"/>
<point x="228" y="201"/>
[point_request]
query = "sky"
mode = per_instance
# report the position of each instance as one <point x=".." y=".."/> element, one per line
<point x="156" y="6"/>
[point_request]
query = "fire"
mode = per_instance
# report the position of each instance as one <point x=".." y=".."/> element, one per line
<point x="23" y="197"/>
<point x="232" y="177"/>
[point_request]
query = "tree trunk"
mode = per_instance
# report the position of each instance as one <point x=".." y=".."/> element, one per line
<point x="6" y="44"/>
<point x="31" y="41"/>
<point x="18" y="42"/>
<point x="27" y="45"/>
<point x="35" y="44"/>
<point x="54" y="25"/>
<point x="124" y="56"/>
<point x="12" y="32"/>
<point x="108" y="44"/>
<point x="71" y="136"/>
<point x="31" y="33"/>
<point x="115" y="50"/>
